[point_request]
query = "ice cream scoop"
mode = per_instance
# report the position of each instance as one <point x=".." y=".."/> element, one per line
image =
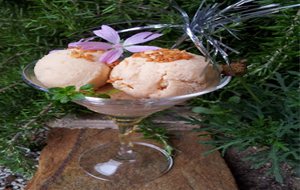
<point x="163" y="73"/>
<point x="67" y="67"/>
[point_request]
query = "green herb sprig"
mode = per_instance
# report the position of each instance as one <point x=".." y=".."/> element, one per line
<point x="69" y="93"/>
<point x="160" y="134"/>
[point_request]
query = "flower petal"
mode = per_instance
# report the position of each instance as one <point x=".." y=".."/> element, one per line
<point x="88" y="39"/>
<point x="108" y="34"/>
<point x="90" y="45"/>
<point x="134" y="49"/>
<point x="111" y="55"/>
<point x="141" y="38"/>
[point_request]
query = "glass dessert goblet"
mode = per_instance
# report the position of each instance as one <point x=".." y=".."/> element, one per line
<point x="136" y="162"/>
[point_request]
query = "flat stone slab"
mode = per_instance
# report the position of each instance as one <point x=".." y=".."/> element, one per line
<point x="59" y="169"/>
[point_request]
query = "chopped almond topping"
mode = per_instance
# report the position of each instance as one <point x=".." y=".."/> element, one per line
<point x="75" y="54"/>
<point x="113" y="80"/>
<point x="128" y="85"/>
<point x="82" y="54"/>
<point x="89" y="57"/>
<point x="164" y="55"/>
<point x="113" y="64"/>
<point x="85" y="50"/>
<point x="162" y="85"/>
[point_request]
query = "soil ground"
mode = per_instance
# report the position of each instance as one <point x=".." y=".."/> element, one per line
<point x="255" y="179"/>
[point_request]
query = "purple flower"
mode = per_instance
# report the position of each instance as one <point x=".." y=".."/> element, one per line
<point x="115" y="48"/>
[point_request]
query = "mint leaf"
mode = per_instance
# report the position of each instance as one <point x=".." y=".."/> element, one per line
<point x="54" y="90"/>
<point x="106" y="96"/>
<point x="113" y="91"/>
<point x="70" y="88"/>
<point x="64" y="99"/>
<point x="87" y="87"/>
<point x="77" y="96"/>
<point x="69" y="93"/>
<point x="58" y="96"/>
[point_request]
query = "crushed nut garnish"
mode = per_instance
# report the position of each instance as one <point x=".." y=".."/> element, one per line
<point x="82" y="54"/>
<point x="162" y="85"/>
<point x="164" y="55"/>
<point x="113" y="80"/>
<point x="128" y="85"/>
<point x="113" y="64"/>
<point x="85" y="50"/>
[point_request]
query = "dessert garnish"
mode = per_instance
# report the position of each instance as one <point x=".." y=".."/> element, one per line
<point x="164" y="55"/>
<point x="115" y="47"/>
<point x="81" y="54"/>
<point x="69" y="93"/>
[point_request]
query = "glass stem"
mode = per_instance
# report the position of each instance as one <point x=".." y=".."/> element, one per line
<point x="126" y="126"/>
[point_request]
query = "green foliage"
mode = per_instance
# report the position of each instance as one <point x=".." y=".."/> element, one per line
<point x="64" y="95"/>
<point x="261" y="109"/>
<point x="160" y="134"/>
<point x="23" y="114"/>
<point x="271" y="124"/>
<point x="69" y="93"/>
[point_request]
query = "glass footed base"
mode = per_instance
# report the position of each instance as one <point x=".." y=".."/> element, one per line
<point x="150" y="162"/>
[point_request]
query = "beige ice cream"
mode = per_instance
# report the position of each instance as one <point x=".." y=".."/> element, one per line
<point x="68" y="67"/>
<point x="163" y="73"/>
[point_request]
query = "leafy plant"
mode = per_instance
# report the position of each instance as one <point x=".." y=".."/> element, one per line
<point x="160" y="134"/>
<point x="270" y="124"/>
<point x="260" y="109"/>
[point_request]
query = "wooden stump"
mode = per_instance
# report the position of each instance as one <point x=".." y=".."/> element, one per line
<point x="59" y="169"/>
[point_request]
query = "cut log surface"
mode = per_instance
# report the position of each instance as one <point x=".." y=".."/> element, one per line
<point x="170" y="120"/>
<point x="59" y="169"/>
